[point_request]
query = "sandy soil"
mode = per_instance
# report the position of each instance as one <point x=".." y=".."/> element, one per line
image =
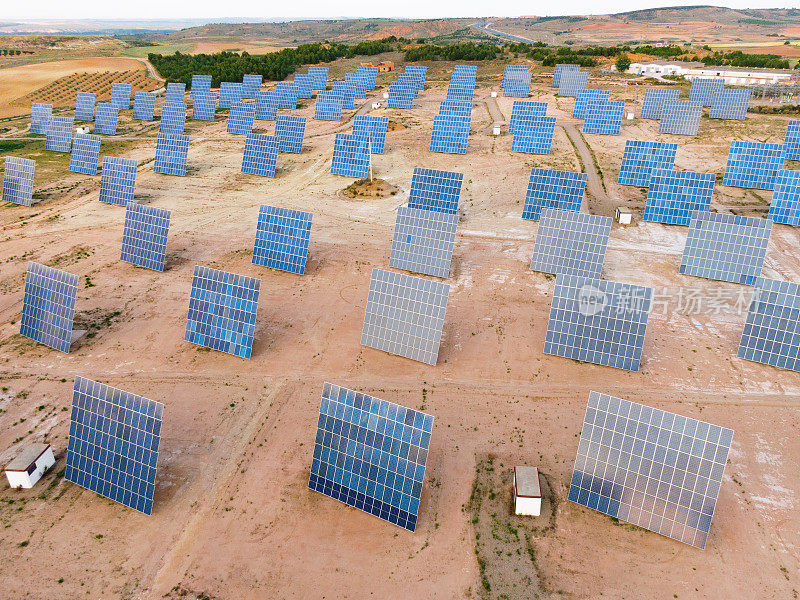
<point x="233" y="517"/>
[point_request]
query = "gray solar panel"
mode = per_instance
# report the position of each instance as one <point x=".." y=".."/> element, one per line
<point x="680" y="117"/>
<point x="654" y="100"/>
<point x="84" y="106"/>
<point x="423" y="241"/>
<point x="753" y="165"/>
<point x="260" y="155"/>
<point x="560" y="69"/>
<point x="48" y="306"/>
<point x="117" y="180"/>
<point x="59" y="134"/>
<point x="673" y="196"/>
<point x="516" y="81"/>
<point x="730" y="104"/>
<point x="282" y="237"/>
<point x="772" y="332"/>
<point x="570" y="242"/>
<point x="785" y="205"/>
<point x="704" y="88"/>
<point x="18" y="180"/>
<point x="572" y="82"/>
<point x="351" y="155"/>
<point x="432" y="189"/>
<point x="40" y="117"/>
<point x="175" y="92"/>
<point x="649" y="467"/>
<point x="640" y="158"/>
<point x="85" y="154"/>
<point x="553" y="189"/>
<point x="105" y="118"/>
<point x="173" y="117"/>
<point x="405" y="315"/>
<point x="144" y="106"/>
<point x="144" y="239"/>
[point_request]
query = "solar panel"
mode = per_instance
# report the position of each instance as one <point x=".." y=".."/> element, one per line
<point x="405" y="315"/>
<point x="704" y="88"/>
<point x="266" y="106"/>
<point x="369" y="75"/>
<point x="222" y="311"/>
<point x="604" y="118"/>
<point x="450" y="134"/>
<point x="649" y="467"/>
<point x="572" y="82"/>
<point x="251" y="86"/>
<point x="680" y="117"/>
<point x="18" y="180"/>
<point x="588" y="99"/>
<point x="375" y="127"/>
<point x="730" y="104"/>
<point x="785" y="205"/>
<point x="791" y="142"/>
<point x="229" y="92"/>
<point x="418" y="73"/>
<point x="516" y="81"/>
<point x="105" y="120"/>
<point x="84" y="106"/>
<point x="40" y="117"/>
<point x="423" y="241"/>
<point x="533" y="135"/>
<point x="320" y="75"/>
<point x="406" y="84"/>
<point x="357" y="84"/>
<point x="282" y="237"/>
<point x="641" y="157"/>
<point x="654" y="101"/>
<point x="432" y="189"/>
<point x="597" y="321"/>
<point x="460" y="89"/>
<point x="559" y="69"/>
<point x="290" y="132"/>
<point x="771" y="334"/>
<point x="286" y="95"/>
<point x="522" y="109"/>
<point x="344" y="91"/>
<point x="171" y="154"/>
<point x="113" y="443"/>
<point x="553" y="189"/>
<point x="260" y="154"/>
<point x="305" y="85"/>
<point x="48" y="306"/>
<point x="173" y="117"/>
<point x="400" y="96"/>
<point x="673" y="196"/>
<point x="121" y="95"/>
<point x="85" y="154"/>
<point x="467" y="71"/>
<point x="59" y="134"/>
<point x="175" y="92"/>
<point x="144" y="106"/>
<point x="204" y="106"/>
<point x="240" y="119"/>
<point x="144" y="239"/>
<point x="201" y="84"/>
<point x="725" y="247"/>
<point x="351" y="156"/>
<point x="753" y="165"/>
<point x="117" y="180"/>
<point x="329" y="106"/>
<point x="370" y="454"/>
<point x="570" y="242"/>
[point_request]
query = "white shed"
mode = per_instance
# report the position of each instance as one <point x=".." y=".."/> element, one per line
<point x="624" y="216"/>
<point x="527" y="491"/>
<point x="29" y="465"/>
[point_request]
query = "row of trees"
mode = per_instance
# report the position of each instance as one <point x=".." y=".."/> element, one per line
<point x="463" y="51"/>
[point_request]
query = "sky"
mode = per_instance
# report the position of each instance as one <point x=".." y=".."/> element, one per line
<point x="326" y="9"/>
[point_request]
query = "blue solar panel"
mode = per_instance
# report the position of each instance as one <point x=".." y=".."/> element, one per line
<point x="369" y="75"/>
<point x="401" y="95"/>
<point x="40" y="117"/>
<point x="329" y="106"/>
<point x="351" y="155"/>
<point x="771" y="333"/>
<point x="569" y="242"/>
<point x="118" y="180"/>
<point x="649" y="467"/>
<point x="604" y="118"/>
<point x="222" y="311"/>
<point x="229" y="92"/>
<point x="85" y="154"/>
<point x="408" y="85"/>
<point x="282" y="237"/>
<point x="175" y="92"/>
<point x="266" y="106"/>
<point x="121" y="95"/>
<point x="559" y="69"/>
<point x="18" y="180"/>
<point x="533" y="135"/>
<point x="522" y="109"/>
<point x="173" y="117"/>
<point x="376" y="127"/>
<point x="450" y="134"/>
<point x="358" y="84"/>
<point x="370" y="454"/>
<point x="673" y="196"/>
<point x="144" y="239"/>
<point x="113" y="443"/>
<point x="201" y="84"/>
<point x="654" y="100"/>
<point x="240" y="119"/>
<point x="466" y="71"/>
<point x="344" y="91"/>
<point x="251" y="86"/>
<point x="516" y="81"/>
<point x="785" y="205"/>
<point x="725" y="247"/>
<point x="286" y="95"/>
<point x="59" y="134"/>
<point x="791" y="142"/>
<point x="260" y="154"/>
<point x="320" y="75"/>
<point x="204" y="107"/>
<point x="572" y="82"/>
<point x="48" y="306"/>
<point x="704" y="88"/>
<point x="458" y="108"/>
<point x="597" y="321"/>
<point x="84" y="106"/>
<point x="144" y="106"/>
<point x="290" y="132"/>
<point x="305" y="85"/>
<point x="462" y="89"/>
<point x="680" y="117"/>
<point x="553" y="189"/>
<point x="423" y="241"/>
<point x="753" y="165"/>
<point x="730" y="104"/>
<point x="432" y="189"/>
<point x="418" y="73"/>
<point x="588" y="99"/>
<point x="640" y="158"/>
<point x="105" y="120"/>
<point x="171" y="154"/>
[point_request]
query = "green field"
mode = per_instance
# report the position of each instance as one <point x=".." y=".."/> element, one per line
<point x="143" y="51"/>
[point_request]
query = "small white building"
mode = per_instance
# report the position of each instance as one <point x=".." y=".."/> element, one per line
<point x="82" y="130"/>
<point x="731" y="75"/>
<point x="496" y="130"/>
<point x="527" y="491"/>
<point x="29" y="465"/>
<point x="494" y="94"/>
<point x="624" y="216"/>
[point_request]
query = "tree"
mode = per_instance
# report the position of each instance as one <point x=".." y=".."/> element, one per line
<point x="623" y="62"/>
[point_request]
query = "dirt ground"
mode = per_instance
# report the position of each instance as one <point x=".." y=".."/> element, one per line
<point x="233" y="517"/>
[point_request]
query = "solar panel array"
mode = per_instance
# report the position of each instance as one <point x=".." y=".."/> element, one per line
<point x="375" y="127"/>
<point x="251" y="86"/>
<point x="144" y="106"/>
<point x="640" y="158"/>
<point x="241" y="117"/>
<point x="456" y="107"/>
<point x="725" y="247"/>
<point x="113" y="443"/>
<point x="418" y="73"/>
<point x="48" y="306"/>
<point x="266" y="106"/>
<point x="423" y="241"/>
<point x="222" y="311"/>
<point x="560" y="69"/>
<point x="370" y="454"/>
<point x="320" y="75"/>
<point x="462" y="82"/>
<point x="105" y="119"/>
<point x="680" y="117"/>
<point x="704" y="88"/>
<point x="450" y="133"/>
<point x="597" y="321"/>
<point x="144" y="239"/>
<point x="286" y="95"/>
<point x="59" y="134"/>
<point x="328" y="106"/>
<point x="201" y="84"/>
<point x="572" y="82"/>
<point x="791" y="142"/>
<point x="290" y="132"/>
<point x="18" y="180"/>
<point x="229" y="93"/>
<point x="604" y="118"/>
<point x="85" y="154"/>
<point x="588" y="99"/>
<point x="649" y="467"/>
<point x="40" y="117"/>
<point x="516" y="81"/>
<point x="401" y="95"/>
<point x="785" y="205"/>
<point x="175" y="92"/>
<point x="171" y="154"/>
<point x="173" y="117"/>
<point x="204" y="107"/>
<point x="533" y="135"/>
<point x="351" y="155"/>
<point x="553" y="189"/>
<point x="569" y="242"/>
<point x="730" y="104"/>
<point x="121" y="95"/>
<point x="84" y="106"/>
<point x="753" y="165"/>
<point x="673" y="196"/>
<point x="433" y="189"/>
<point x="282" y="238"/>
<point x="117" y="180"/>
<point x="260" y="154"/>
<point x="654" y="101"/>
<point x="521" y="109"/>
<point x="405" y="315"/>
<point x="344" y="91"/>
<point x="358" y="84"/>
<point x="368" y="74"/>
<point x="305" y="85"/>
